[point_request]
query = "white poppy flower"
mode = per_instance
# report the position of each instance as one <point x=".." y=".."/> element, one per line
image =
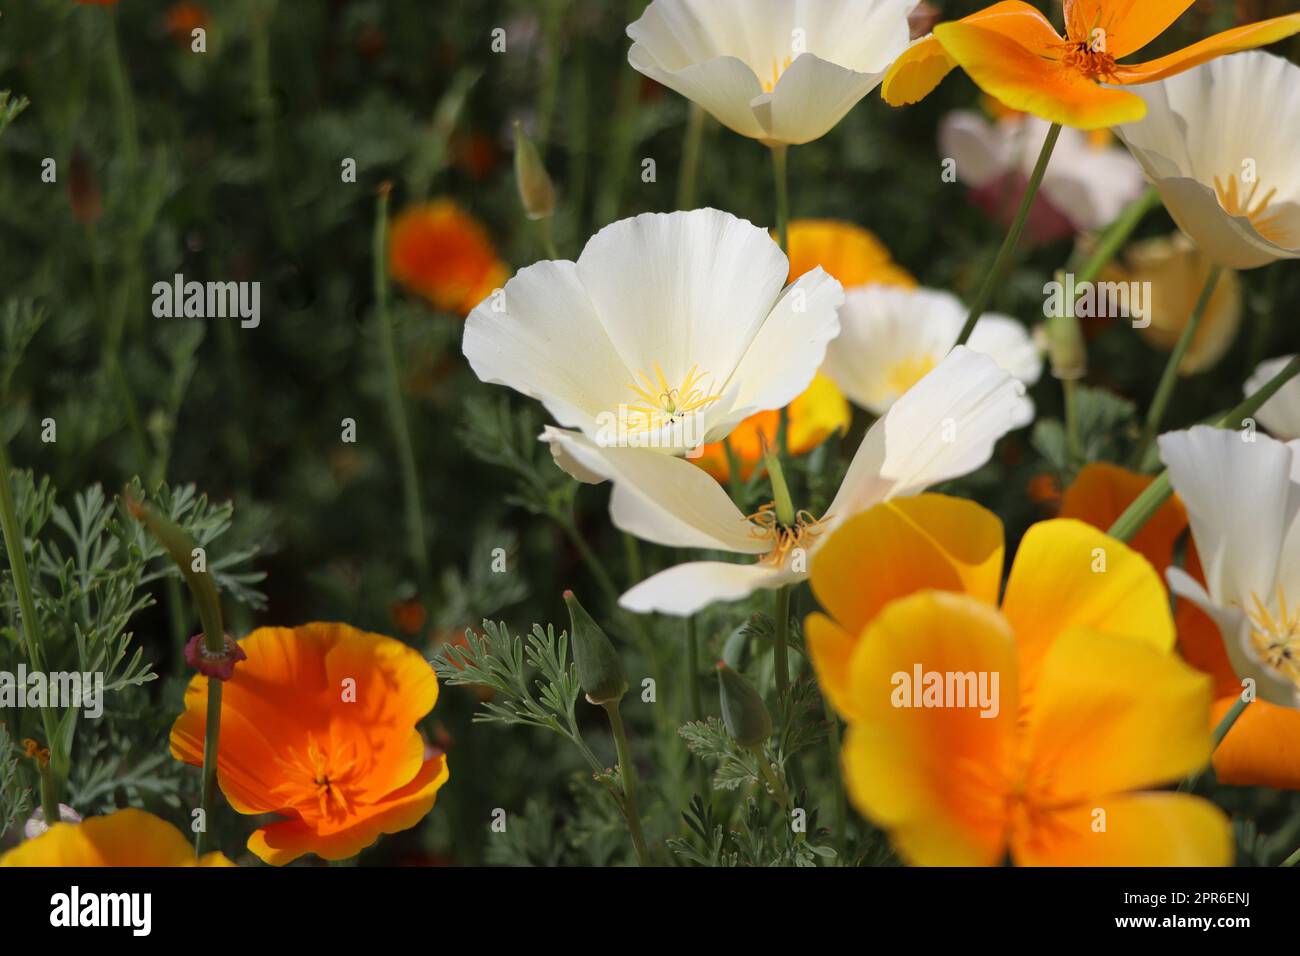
<point x="668" y="331"/>
<point x="891" y="337"/>
<point x="1243" y="501"/>
<point x="1087" y="182"/>
<point x="1221" y="143"/>
<point x="1281" y="413"/>
<point x="777" y="71"/>
<point x="944" y="427"/>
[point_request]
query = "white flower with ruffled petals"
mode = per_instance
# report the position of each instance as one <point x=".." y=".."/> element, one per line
<point x="944" y="427"/>
<point x="1243" y="503"/>
<point x="891" y="337"/>
<point x="1281" y="413"/>
<point x="1221" y="143"/>
<point x="668" y="331"/>
<point x="777" y="71"/>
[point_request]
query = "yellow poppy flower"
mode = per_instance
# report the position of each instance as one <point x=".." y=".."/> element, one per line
<point x="1012" y="51"/>
<point x="1089" y="708"/>
<point x="122" y="838"/>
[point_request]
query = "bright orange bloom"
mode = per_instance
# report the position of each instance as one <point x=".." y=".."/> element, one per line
<point x="319" y="725"/>
<point x="1014" y="54"/>
<point x="1263" y="747"/>
<point x="1090" y="711"/>
<point x="444" y="254"/>
<point x="122" y="838"/>
<point x="183" y="18"/>
<point x="855" y="257"/>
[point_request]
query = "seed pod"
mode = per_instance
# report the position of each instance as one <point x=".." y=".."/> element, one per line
<point x="535" y="189"/>
<point x="600" y="673"/>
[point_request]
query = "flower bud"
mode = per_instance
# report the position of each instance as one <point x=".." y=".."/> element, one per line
<point x="600" y="673"/>
<point x="535" y="189"/>
<point x="743" y="710"/>
<point x="1065" y="345"/>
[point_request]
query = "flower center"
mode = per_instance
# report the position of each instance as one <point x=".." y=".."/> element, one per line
<point x="778" y="67"/>
<point x="663" y="404"/>
<point x="1276" y="635"/>
<point x="905" y="373"/>
<point x="784" y="538"/>
<point x="1236" y="200"/>
<point x="320" y="779"/>
<point x="1083" y="56"/>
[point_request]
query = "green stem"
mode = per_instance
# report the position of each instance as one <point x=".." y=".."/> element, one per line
<point x="780" y="652"/>
<point x="1169" y="378"/>
<point x="1116" y="235"/>
<point x="1293" y="859"/>
<point x="632" y="557"/>
<point x="1003" y="261"/>
<point x="211" y="741"/>
<point x="589" y="558"/>
<point x="1220" y="731"/>
<point x="841" y="796"/>
<point x="49" y="794"/>
<point x="734" y="480"/>
<point x="628" y="774"/>
<point x="123" y="99"/>
<point x="780" y="173"/>
<point x="396" y="409"/>
<point x="15" y="548"/>
<point x="1073" y="438"/>
<point x="1158" y="492"/>
<point x="693" y="668"/>
<point x="546" y="233"/>
<point x="691" y="143"/>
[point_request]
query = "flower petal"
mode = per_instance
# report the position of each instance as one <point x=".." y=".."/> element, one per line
<point x="1029" y="78"/>
<point x="126" y="837"/>
<point x="1068" y="575"/>
<point x="1111" y="714"/>
<point x="1129" y="25"/>
<point x="1247" y="37"/>
<point x="686" y="588"/>
<point x="1263" y="747"/>
<point x="1141" y="829"/>
<point x="935" y="777"/>
<point x="811" y="97"/>
<point x="1100" y="494"/>
<point x="1281" y="413"/>
<point x="662" y="499"/>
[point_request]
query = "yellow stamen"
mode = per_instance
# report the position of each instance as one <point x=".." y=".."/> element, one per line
<point x="1277" y="636"/>
<point x="665" y="404"/>
<point x="784" y="538"/>
<point x="903" y="374"/>
<point x="1237" y="202"/>
<point x="778" y="67"/>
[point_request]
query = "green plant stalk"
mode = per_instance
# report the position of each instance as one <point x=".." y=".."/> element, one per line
<point x="15" y="549"/>
<point x="1116" y="234"/>
<point x="1003" y="261"/>
<point x="1293" y="859"/>
<point x="1169" y="379"/>
<point x="781" y="175"/>
<point x="396" y="408"/>
<point x="841" y="796"/>
<point x="264" y="106"/>
<point x="693" y="668"/>
<point x="688" y="176"/>
<point x="627" y="773"/>
<point x="1220" y="731"/>
<point x="1073" y="439"/>
<point x="49" y="794"/>
<point x="211" y="744"/>
<point x="781" y="639"/>
<point x="124" y="101"/>
<point x="1158" y="492"/>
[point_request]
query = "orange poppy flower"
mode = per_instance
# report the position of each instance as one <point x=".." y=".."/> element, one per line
<point x="855" y="257"/>
<point x="183" y="18"/>
<point x="1012" y="51"/>
<point x="441" y="252"/>
<point x="122" y="838"/>
<point x="318" y="725"/>
<point x="1077" y="713"/>
<point x="1263" y="747"/>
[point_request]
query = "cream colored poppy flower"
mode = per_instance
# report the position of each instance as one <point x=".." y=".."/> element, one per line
<point x="890" y="338"/>
<point x="1221" y="143"/>
<point x="667" y="332"/>
<point x="1242" y="494"/>
<point x="944" y="427"/>
<point x="780" y="72"/>
<point x="1281" y="413"/>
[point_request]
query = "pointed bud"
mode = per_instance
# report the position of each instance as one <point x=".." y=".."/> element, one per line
<point x="1065" y="345"/>
<point x="743" y="710"/>
<point x="535" y="189"/>
<point x="600" y="673"/>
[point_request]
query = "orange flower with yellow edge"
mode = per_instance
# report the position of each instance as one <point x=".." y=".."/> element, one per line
<point x="1038" y="728"/>
<point x="439" y="251"/>
<point x="855" y="257"/>
<point x="1263" y="747"/>
<point x="1012" y="51"/>
<point x="318" y="725"/>
<point x="122" y="838"/>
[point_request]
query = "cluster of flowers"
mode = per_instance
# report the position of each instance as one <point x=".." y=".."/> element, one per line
<point x="666" y="354"/>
